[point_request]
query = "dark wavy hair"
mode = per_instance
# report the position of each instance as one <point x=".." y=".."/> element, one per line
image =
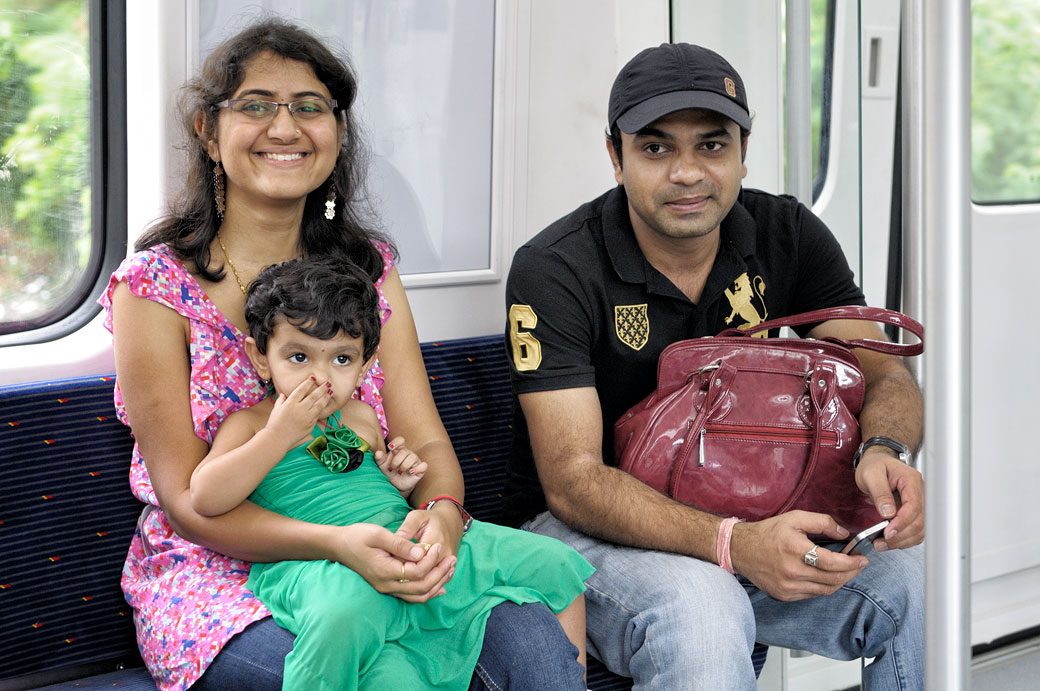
<point x="321" y="297"/>
<point x="191" y="222"/>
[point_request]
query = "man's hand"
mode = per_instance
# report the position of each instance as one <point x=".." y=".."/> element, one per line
<point x="898" y="492"/>
<point x="771" y="554"/>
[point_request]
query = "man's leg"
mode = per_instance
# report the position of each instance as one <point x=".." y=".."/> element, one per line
<point x="878" y="614"/>
<point x="669" y="621"/>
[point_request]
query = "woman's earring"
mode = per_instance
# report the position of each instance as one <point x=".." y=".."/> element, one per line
<point x="218" y="189"/>
<point x="330" y="203"/>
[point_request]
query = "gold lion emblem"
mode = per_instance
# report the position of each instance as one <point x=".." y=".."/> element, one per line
<point x="632" y="325"/>
<point x="740" y="300"/>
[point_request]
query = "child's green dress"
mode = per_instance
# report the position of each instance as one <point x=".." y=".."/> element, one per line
<point x="350" y="636"/>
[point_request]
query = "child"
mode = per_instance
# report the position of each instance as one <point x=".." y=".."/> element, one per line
<point x="314" y="453"/>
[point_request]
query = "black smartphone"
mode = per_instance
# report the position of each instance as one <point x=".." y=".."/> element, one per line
<point x="862" y="538"/>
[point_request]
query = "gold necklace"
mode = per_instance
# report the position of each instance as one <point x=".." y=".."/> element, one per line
<point x="230" y="263"/>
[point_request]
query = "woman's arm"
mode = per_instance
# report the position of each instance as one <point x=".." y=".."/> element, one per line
<point x="154" y="375"/>
<point x="412" y="414"/>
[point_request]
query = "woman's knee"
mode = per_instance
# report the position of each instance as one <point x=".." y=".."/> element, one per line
<point x="525" y="647"/>
<point x="253" y="658"/>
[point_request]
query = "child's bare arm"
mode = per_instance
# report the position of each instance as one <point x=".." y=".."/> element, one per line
<point x="248" y="444"/>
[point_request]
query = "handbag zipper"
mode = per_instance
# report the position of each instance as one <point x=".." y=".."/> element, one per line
<point x="757" y="433"/>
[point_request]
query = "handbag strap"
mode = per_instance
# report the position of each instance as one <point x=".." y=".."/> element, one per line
<point x="820" y="387"/>
<point x="858" y="312"/>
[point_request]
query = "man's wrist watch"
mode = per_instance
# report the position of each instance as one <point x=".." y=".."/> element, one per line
<point x="900" y="448"/>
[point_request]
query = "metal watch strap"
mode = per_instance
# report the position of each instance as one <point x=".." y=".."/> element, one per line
<point x="901" y="449"/>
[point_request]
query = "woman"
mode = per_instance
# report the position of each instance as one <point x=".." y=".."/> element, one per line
<point x="273" y="173"/>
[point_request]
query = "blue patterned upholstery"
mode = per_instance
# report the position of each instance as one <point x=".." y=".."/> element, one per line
<point x="66" y="518"/>
<point x="67" y="514"/>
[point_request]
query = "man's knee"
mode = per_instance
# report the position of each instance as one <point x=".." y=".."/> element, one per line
<point x="714" y="615"/>
<point x="680" y="609"/>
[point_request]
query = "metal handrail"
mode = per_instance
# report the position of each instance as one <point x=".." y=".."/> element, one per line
<point x="798" y="102"/>
<point x="937" y="250"/>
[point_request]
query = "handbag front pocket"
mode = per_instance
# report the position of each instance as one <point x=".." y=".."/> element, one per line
<point x="758" y="465"/>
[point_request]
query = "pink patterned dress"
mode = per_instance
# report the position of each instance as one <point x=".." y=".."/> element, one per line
<point x="189" y="601"/>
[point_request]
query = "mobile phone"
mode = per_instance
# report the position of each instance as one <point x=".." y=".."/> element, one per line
<point x="861" y="539"/>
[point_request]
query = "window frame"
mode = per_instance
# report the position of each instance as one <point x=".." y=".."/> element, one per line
<point x="108" y="181"/>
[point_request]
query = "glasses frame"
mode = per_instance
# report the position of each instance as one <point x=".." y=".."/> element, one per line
<point x="230" y="102"/>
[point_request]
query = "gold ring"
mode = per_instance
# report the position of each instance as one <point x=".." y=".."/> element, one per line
<point x="402" y="579"/>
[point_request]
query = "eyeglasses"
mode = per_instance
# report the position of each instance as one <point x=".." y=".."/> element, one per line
<point x="305" y="109"/>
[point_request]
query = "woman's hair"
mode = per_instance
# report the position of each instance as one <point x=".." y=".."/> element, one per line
<point x="191" y="222"/>
<point x="320" y="297"/>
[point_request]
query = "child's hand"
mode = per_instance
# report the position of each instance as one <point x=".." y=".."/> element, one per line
<point x="401" y="465"/>
<point x="294" y="417"/>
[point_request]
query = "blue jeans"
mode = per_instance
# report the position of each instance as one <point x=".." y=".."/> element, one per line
<point x="673" y="622"/>
<point x="524" y="648"/>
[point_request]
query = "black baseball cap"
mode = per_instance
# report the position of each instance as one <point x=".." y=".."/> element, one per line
<point x="671" y="77"/>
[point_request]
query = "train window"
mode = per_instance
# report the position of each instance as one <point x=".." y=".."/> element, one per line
<point x="425" y="71"/>
<point x="53" y="161"/>
<point x="1005" y="102"/>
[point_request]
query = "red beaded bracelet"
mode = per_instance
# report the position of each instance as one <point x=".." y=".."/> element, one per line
<point x="467" y="519"/>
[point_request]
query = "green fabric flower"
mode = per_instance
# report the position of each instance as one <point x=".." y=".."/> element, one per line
<point x="339" y="449"/>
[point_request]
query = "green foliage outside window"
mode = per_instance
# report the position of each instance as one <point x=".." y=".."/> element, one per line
<point x="44" y="154"/>
<point x="1005" y="100"/>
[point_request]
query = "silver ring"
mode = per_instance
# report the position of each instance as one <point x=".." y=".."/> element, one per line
<point x="811" y="557"/>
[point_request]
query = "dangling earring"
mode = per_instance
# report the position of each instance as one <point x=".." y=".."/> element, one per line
<point x="218" y="189"/>
<point x="330" y="203"/>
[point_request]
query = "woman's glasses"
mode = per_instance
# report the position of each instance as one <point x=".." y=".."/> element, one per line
<point x="305" y="109"/>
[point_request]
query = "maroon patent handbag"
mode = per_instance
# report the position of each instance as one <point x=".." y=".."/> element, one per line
<point x="754" y="427"/>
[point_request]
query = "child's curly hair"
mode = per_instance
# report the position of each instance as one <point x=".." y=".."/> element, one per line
<point x="321" y="297"/>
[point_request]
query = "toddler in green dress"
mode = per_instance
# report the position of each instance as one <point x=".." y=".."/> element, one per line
<point x="313" y="452"/>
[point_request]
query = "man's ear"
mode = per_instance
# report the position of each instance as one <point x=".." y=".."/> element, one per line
<point x="615" y="161"/>
<point x="211" y="141"/>
<point x="258" y="359"/>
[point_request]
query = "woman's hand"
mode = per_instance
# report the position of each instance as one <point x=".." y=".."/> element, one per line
<point x="393" y="564"/>
<point x="440" y="525"/>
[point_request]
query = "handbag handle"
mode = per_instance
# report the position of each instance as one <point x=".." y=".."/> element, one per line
<point x="858" y="312"/>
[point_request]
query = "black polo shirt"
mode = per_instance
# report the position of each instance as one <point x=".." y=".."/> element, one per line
<point x="587" y="309"/>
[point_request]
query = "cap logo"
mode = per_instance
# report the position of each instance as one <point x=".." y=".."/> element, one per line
<point x="731" y="88"/>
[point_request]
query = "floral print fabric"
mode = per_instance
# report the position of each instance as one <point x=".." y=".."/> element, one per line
<point x="189" y="601"/>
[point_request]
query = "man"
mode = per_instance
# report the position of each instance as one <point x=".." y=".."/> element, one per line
<point x="678" y="250"/>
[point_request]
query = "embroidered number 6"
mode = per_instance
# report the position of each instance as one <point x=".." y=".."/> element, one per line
<point x="527" y="350"/>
